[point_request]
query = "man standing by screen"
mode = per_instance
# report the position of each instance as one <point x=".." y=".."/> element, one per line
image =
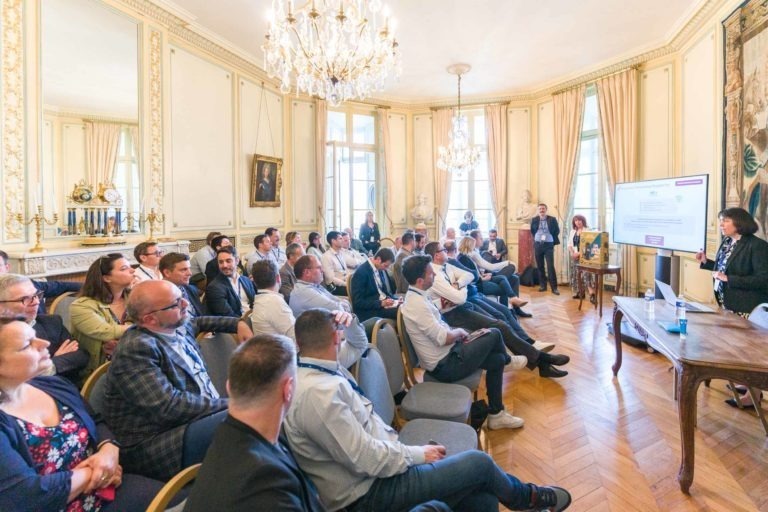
<point x="545" y="237"/>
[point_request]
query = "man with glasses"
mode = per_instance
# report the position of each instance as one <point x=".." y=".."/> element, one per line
<point x="19" y="297"/>
<point x="148" y="255"/>
<point x="50" y="289"/>
<point x="159" y="396"/>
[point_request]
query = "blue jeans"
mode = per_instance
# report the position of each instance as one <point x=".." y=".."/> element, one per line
<point x="499" y="312"/>
<point x="468" y="481"/>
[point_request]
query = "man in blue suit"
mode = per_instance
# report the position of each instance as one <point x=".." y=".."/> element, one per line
<point x="177" y="269"/>
<point x="372" y="291"/>
<point x="229" y="294"/>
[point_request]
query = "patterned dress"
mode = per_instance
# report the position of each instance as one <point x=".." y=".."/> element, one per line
<point x="61" y="448"/>
<point x="720" y="265"/>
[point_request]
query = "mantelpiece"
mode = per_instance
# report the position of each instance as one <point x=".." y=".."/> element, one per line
<point x="58" y="262"/>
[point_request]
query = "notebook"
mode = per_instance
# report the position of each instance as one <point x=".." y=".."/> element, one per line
<point x="671" y="298"/>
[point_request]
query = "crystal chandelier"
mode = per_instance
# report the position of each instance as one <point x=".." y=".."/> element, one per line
<point x="336" y="49"/>
<point x="459" y="157"/>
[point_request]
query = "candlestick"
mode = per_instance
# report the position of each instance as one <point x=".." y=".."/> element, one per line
<point x="153" y="218"/>
<point x="40" y="221"/>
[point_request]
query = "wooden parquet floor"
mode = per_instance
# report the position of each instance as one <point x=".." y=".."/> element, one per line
<point x="615" y="443"/>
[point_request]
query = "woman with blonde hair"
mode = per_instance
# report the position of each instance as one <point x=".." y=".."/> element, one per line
<point x="98" y="314"/>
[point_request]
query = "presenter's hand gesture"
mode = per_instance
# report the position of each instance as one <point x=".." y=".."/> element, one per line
<point x="701" y="257"/>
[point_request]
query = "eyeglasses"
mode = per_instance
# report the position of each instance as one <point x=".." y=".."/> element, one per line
<point x="176" y="304"/>
<point x="156" y="253"/>
<point x="27" y="300"/>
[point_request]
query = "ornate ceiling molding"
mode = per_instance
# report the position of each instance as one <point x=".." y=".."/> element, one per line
<point x="12" y="115"/>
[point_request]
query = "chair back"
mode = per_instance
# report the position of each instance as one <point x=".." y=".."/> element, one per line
<point x="217" y="351"/>
<point x="387" y="242"/>
<point x="372" y="378"/>
<point x="386" y="341"/>
<point x="94" y="388"/>
<point x="349" y="290"/>
<point x="172" y="488"/>
<point x="759" y="315"/>
<point x="411" y="357"/>
<point x="60" y="306"/>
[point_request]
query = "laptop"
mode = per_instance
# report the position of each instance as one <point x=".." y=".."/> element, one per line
<point x="671" y="298"/>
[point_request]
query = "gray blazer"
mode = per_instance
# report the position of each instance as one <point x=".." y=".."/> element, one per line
<point x="401" y="285"/>
<point x="287" y="281"/>
<point x="151" y="396"/>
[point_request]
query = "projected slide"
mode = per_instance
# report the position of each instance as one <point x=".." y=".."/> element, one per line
<point x="667" y="214"/>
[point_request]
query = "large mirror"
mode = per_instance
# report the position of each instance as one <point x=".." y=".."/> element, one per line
<point x="89" y="76"/>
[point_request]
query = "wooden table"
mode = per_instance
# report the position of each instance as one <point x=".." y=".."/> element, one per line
<point x="599" y="272"/>
<point x="718" y="346"/>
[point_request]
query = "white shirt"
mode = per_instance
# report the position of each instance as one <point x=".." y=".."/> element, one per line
<point x="334" y="268"/>
<point x="352" y="259"/>
<point x="445" y="277"/>
<point x="201" y="259"/>
<point x="278" y="255"/>
<point x="146" y="274"/>
<point x="426" y="328"/>
<point x="272" y="315"/>
<point x="240" y="292"/>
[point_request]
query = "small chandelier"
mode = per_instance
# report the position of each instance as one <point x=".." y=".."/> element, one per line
<point x="337" y="50"/>
<point x="459" y="157"/>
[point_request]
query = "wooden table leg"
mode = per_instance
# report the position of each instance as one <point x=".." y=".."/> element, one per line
<point x="600" y="293"/>
<point x="618" y="314"/>
<point x="688" y="385"/>
<point x="618" y="282"/>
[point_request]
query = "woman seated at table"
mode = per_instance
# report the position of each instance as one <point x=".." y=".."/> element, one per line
<point x="578" y="225"/>
<point x="55" y="455"/>
<point x="739" y="270"/>
<point x="98" y="315"/>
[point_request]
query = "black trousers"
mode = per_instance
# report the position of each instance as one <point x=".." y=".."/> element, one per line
<point x="468" y="316"/>
<point x="545" y="251"/>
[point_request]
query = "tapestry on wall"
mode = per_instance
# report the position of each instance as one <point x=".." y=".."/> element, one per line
<point x="746" y="111"/>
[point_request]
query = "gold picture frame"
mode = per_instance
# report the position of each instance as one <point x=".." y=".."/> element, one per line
<point x="266" y="180"/>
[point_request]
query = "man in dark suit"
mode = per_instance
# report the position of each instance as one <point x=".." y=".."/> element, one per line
<point x="494" y="249"/>
<point x="229" y="294"/>
<point x="372" y="291"/>
<point x="249" y="465"/>
<point x="177" y="269"/>
<point x="158" y="395"/>
<point x="287" y="276"/>
<point x="545" y="231"/>
<point x="212" y="267"/>
<point x="20" y="297"/>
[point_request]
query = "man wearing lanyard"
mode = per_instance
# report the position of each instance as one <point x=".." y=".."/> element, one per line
<point x="159" y="395"/>
<point x="278" y="255"/>
<point x="372" y="291"/>
<point x="334" y="267"/>
<point x="545" y="231"/>
<point x="262" y="251"/>
<point x="177" y="269"/>
<point x="229" y="294"/>
<point x="357" y="461"/>
<point x="148" y="255"/>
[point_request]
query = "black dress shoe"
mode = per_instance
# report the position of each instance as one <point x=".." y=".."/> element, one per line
<point x="542" y="288"/>
<point x="733" y="403"/>
<point x="555" y="359"/>
<point x="576" y="296"/>
<point x="556" y="291"/>
<point x="547" y="370"/>
<point x="522" y="314"/>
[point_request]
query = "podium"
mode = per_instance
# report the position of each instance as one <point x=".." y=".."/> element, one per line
<point x="524" y="249"/>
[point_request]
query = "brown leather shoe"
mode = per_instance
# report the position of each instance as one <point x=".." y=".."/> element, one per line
<point x="517" y="302"/>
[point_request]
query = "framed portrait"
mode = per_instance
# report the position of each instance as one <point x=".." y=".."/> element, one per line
<point x="745" y="116"/>
<point x="266" y="180"/>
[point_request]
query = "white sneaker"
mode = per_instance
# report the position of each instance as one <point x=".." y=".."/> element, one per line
<point x="517" y="363"/>
<point x="543" y="346"/>
<point x="504" y="420"/>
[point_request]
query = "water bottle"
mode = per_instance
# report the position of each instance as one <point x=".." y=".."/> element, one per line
<point x="680" y="307"/>
<point x="650" y="301"/>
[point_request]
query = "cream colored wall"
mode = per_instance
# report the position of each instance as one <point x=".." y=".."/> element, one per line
<point x="679" y="114"/>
